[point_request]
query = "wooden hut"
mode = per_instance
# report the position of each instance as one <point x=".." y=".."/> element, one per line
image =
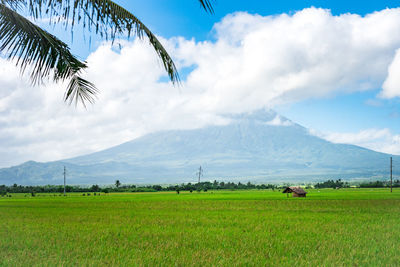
<point x="296" y="191"/>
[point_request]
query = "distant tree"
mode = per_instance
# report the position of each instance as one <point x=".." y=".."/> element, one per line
<point x="375" y="184"/>
<point x="157" y="187"/>
<point x="69" y="188"/>
<point x="95" y="188"/>
<point x="117" y="183"/>
<point x="105" y="190"/>
<point x="330" y="184"/>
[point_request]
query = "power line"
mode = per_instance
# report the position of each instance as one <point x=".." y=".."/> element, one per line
<point x="391" y="176"/>
<point x="200" y="173"/>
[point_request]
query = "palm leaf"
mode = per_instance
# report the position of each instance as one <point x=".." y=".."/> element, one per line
<point x="80" y="90"/>
<point x="206" y="4"/>
<point x="32" y="46"/>
<point x="21" y="39"/>
<point x="107" y="19"/>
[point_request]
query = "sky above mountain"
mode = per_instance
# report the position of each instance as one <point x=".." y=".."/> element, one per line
<point x="331" y="66"/>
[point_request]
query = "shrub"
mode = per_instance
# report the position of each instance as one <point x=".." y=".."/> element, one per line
<point x="106" y="190"/>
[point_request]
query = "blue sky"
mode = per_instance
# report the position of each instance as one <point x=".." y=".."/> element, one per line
<point x="318" y="67"/>
<point x="344" y="112"/>
<point x="185" y="18"/>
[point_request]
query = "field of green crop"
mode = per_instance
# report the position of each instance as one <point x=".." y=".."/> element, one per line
<point x="357" y="227"/>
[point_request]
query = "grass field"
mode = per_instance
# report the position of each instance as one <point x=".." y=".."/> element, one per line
<point x="357" y="227"/>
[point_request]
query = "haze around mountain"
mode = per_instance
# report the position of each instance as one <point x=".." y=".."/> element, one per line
<point x="261" y="146"/>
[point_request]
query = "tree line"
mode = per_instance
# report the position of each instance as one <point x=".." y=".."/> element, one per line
<point x="202" y="186"/>
<point x="118" y="187"/>
<point x="371" y="184"/>
<point x="378" y="184"/>
<point x="332" y="184"/>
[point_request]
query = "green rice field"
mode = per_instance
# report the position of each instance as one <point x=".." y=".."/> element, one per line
<point x="346" y="227"/>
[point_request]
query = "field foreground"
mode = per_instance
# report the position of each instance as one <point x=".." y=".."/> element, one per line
<point x="358" y="227"/>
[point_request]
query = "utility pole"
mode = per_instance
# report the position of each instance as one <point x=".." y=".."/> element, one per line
<point x="200" y="173"/>
<point x="391" y="177"/>
<point x="65" y="173"/>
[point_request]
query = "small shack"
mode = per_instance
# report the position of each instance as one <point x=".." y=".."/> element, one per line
<point x="296" y="191"/>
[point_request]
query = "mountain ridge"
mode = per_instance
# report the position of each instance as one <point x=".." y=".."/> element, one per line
<point x="259" y="146"/>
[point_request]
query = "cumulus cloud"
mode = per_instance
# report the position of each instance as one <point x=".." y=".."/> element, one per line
<point x="254" y="62"/>
<point x="382" y="140"/>
<point x="271" y="60"/>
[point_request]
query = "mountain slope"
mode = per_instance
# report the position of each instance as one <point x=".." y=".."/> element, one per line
<point x="261" y="146"/>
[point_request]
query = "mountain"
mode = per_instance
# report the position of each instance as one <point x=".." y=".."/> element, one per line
<point x="261" y="146"/>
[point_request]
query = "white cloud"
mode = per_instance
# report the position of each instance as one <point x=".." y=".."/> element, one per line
<point x="258" y="61"/>
<point x="279" y="121"/>
<point x="255" y="62"/>
<point x="391" y="86"/>
<point x="381" y="140"/>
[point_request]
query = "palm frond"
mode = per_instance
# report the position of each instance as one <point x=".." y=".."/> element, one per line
<point x="80" y="90"/>
<point x="206" y="4"/>
<point x="105" y="18"/>
<point x="32" y="46"/>
<point x="14" y="4"/>
<point x="110" y="20"/>
<point x="22" y="39"/>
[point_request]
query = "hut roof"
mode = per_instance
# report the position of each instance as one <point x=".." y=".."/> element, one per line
<point x="297" y="190"/>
